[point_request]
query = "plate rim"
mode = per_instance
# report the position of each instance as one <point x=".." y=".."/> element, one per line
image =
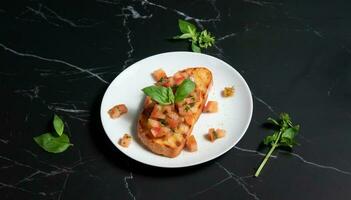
<point x="198" y="162"/>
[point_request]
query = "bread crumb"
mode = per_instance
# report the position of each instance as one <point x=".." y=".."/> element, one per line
<point x="228" y="91"/>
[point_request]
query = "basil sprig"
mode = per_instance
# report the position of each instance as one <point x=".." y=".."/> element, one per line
<point x="199" y="40"/>
<point x="283" y="136"/>
<point x="165" y="96"/>
<point x="54" y="143"/>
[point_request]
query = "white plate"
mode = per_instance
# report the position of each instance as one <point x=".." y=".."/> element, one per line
<point x="234" y="113"/>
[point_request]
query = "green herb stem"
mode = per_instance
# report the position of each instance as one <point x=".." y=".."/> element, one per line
<point x="268" y="155"/>
<point x="265" y="160"/>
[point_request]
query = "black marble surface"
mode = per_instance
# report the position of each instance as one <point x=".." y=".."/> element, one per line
<point x="60" y="56"/>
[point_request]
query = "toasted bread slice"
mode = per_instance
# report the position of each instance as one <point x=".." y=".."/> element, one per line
<point x="165" y="129"/>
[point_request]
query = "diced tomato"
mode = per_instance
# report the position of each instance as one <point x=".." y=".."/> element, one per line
<point x="125" y="140"/>
<point x="172" y="123"/>
<point x="173" y="115"/>
<point x="117" y="111"/>
<point x="168" y="83"/>
<point x="211" y="107"/>
<point x="178" y="78"/>
<point x="148" y="101"/>
<point x="183" y="128"/>
<point x="215" y="134"/>
<point x="122" y="108"/>
<point x="167" y="109"/>
<point x="159" y="132"/>
<point x="219" y="133"/>
<point x="153" y="123"/>
<point x="165" y="130"/>
<point x="191" y="144"/>
<point x="114" y="112"/>
<point x="211" y="136"/>
<point x="156" y="132"/>
<point x="158" y="74"/>
<point x="157" y="112"/>
<point x="189" y="119"/>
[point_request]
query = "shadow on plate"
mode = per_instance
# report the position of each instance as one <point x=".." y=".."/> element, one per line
<point x="118" y="159"/>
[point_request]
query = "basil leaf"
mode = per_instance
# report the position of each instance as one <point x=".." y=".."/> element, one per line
<point x="183" y="36"/>
<point x="183" y="26"/>
<point x="184" y="89"/>
<point x="170" y="95"/>
<point x="195" y="48"/>
<point x="58" y="125"/>
<point x="161" y="95"/>
<point x="270" y="138"/>
<point x="53" y="144"/>
<point x="289" y="134"/>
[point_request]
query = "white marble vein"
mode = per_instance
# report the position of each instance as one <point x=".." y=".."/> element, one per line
<point x="67" y="21"/>
<point x="135" y="14"/>
<point x="6" y="166"/>
<point x="316" y="164"/>
<point x="38" y="12"/>
<point x="64" y="185"/>
<point x="252" y="151"/>
<point x="262" y="3"/>
<point x="323" y="166"/>
<point x="239" y="181"/>
<point x="211" y="187"/>
<point x="230" y="175"/>
<point x="264" y="103"/>
<point x="108" y="2"/>
<point x="55" y="61"/>
<point x="31" y="93"/>
<point x="126" y="184"/>
<point x="129" y="40"/>
<point x="184" y="15"/>
<point x="31" y="153"/>
<point x="20" y="189"/>
<point x="226" y="36"/>
<point x="49" y="15"/>
<point x="70" y="110"/>
<point x="146" y="2"/>
<point x="4" y="141"/>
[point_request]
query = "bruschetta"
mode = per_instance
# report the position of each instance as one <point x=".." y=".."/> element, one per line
<point x="165" y="127"/>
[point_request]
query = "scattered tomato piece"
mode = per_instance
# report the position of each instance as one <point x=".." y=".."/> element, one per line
<point x="228" y="91"/>
<point x="219" y="133"/>
<point x="117" y="111"/>
<point x="211" y="107"/>
<point x="213" y="134"/>
<point x="125" y="140"/>
<point x="159" y="74"/>
<point x="210" y="135"/>
<point x="191" y="144"/>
